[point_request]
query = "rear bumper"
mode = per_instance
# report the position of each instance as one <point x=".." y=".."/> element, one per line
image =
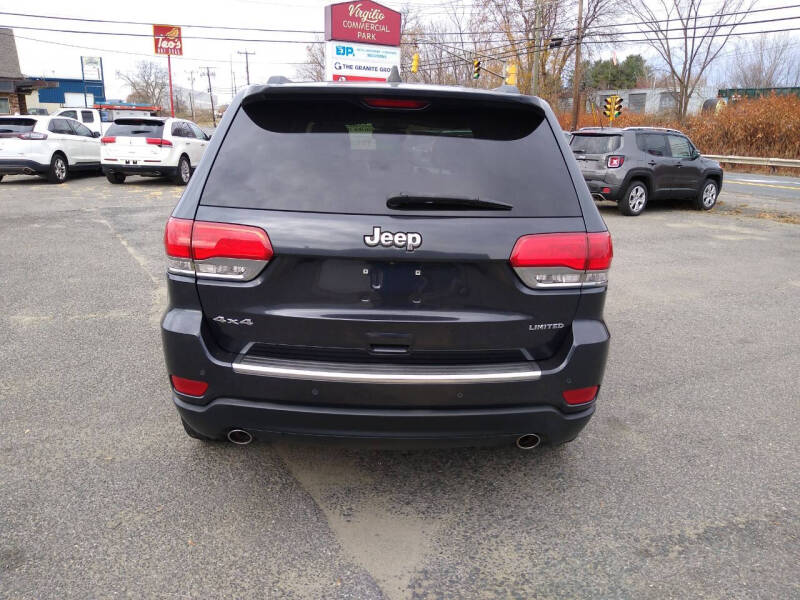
<point x="602" y="190"/>
<point x="13" y="166"/>
<point x="267" y="420"/>
<point x="354" y="401"/>
<point x="152" y="170"/>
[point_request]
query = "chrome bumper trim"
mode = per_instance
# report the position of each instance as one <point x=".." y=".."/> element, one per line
<point x="377" y="373"/>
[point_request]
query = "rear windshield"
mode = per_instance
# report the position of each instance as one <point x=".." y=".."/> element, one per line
<point x="16" y="125"/>
<point x="338" y="155"/>
<point x="595" y="144"/>
<point x="136" y="128"/>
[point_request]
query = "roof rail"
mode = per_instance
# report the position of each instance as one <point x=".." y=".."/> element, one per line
<point x="278" y="80"/>
<point x="506" y="89"/>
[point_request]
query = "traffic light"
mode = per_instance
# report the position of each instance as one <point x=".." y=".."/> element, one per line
<point x="511" y="74"/>
<point x="612" y="107"/>
<point x="608" y="107"/>
<point x="415" y="63"/>
<point x="476" y="69"/>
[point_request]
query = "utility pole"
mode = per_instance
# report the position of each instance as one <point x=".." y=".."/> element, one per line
<point x="247" y="54"/>
<point x="576" y="77"/>
<point x="211" y="95"/>
<point x="233" y="78"/>
<point x="537" y="34"/>
<point x="191" y="94"/>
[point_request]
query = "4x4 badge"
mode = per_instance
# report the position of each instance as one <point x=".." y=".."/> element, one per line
<point x="410" y="240"/>
<point x="229" y="321"/>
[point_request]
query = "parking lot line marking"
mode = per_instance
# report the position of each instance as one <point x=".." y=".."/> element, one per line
<point x="769" y="185"/>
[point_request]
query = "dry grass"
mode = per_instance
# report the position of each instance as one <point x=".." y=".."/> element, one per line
<point x="768" y="127"/>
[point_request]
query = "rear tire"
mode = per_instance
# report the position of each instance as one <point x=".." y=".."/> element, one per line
<point x="707" y="196"/>
<point x="194" y="434"/>
<point x="184" y="172"/>
<point x="59" y="169"/>
<point x="116" y="177"/>
<point x="634" y="200"/>
<point x="1" y="178"/>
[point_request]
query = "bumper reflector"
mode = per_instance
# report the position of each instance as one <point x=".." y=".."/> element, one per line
<point x="580" y="396"/>
<point x="190" y="387"/>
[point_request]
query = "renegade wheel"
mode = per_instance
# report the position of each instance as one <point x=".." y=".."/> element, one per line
<point x="194" y="434"/>
<point x="634" y="200"/>
<point x="115" y="177"/>
<point x="707" y="197"/>
<point x="184" y="171"/>
<point x="58" y="171"/>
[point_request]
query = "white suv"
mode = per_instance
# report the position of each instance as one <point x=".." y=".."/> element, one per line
<point x="152" y="146"/>
<point x="48" y="146"/>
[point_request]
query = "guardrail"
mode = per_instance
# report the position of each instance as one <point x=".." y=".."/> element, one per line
<point x="756" y="160"/>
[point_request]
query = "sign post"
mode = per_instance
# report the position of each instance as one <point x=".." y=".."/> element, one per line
<point x="362" y="41"/>
<point x="167" y="40"/>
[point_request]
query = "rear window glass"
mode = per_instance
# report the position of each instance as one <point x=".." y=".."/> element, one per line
<point x="595" y="144"/>
<point x="136" y="128"/>
<point x="16" y="125"/>
<point x="337" y="155"/>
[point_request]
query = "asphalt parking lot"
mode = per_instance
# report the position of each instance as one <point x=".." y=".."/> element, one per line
<point x="684" y="485"/>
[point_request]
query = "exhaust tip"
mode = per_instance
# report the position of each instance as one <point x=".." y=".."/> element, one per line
<point x="529" y="441"/>
<point x="240" y="437"/>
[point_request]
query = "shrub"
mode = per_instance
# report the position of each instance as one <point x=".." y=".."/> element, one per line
<point x="768" y="127"/>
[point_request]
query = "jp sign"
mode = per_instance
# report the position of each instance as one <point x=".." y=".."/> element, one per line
<point x="362" y="21"/>
<point x="167" y="40"/>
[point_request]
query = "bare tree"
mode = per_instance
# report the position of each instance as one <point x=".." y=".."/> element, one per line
<point x="148" y="83"/>
<point x="688" y="35"/>
<point x="314" y="68"/>
<point x="764" y="62"/>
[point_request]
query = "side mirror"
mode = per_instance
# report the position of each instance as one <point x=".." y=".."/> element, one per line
<point x="208" y="137"/>
<point x="96" y="134"/>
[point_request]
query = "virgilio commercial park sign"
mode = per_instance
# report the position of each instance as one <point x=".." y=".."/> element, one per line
<point x="362" y="41"/>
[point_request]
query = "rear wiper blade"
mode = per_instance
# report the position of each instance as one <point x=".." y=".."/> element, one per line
<point x="423" y="202"/>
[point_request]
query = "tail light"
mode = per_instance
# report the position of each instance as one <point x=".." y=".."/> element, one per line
<point x="160" y="142"/>
<point x="32" y="135"/>
<point x="108" y="140"/>
<point x="190" y="387"/>
<point x="580" y="396"/>
<point x="614" y="162"/>
<point x="216" y="250"/>
<point x="563" y="260"/>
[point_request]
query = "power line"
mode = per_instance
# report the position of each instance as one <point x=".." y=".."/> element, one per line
<point x="313" y="31"/>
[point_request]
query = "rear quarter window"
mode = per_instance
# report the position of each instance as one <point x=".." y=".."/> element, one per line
<point x="334" y="154"/>
<point x="595" y="144"/>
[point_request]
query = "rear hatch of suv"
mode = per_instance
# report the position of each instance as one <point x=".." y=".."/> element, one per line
<point x="391" y="221"/>
<point x="16" y="137"/>
<point x="593" y="150"/>
<point x="136" y="141"/>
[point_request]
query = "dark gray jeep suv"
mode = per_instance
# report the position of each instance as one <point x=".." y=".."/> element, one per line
<point x="634" y="165"/>
<point x="386" y="261"/>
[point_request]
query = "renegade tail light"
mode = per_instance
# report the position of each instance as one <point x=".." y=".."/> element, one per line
<point x="108" y="140"/>
<point x="580" y="396"/>
<point x="563" y="260"/>
<point x="396" y="103"/>
<point x="614" y="162"/>
<point x="190" y="387"/>
<point x="216" y="250"/>
<point x="160" y="142"/>
<point x="32" y="135"/>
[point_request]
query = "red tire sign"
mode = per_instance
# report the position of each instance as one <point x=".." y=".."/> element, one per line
<point x="167" y="40"/>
